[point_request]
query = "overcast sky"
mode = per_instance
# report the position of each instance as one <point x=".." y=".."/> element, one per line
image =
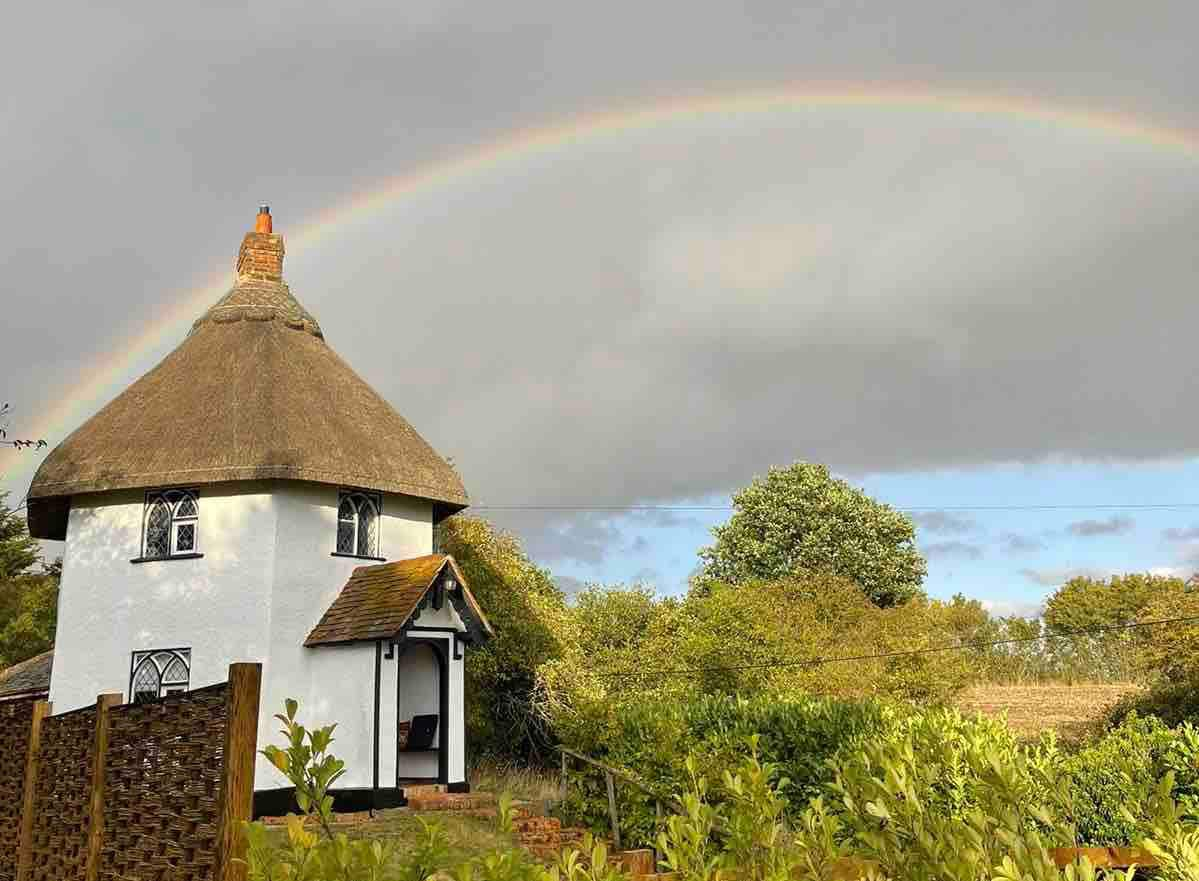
<point x="953" y="307"/>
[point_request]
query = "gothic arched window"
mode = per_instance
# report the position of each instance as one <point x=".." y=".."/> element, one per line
<point x="358" y="525"/>
<point x="171" y="524"/>
<point x="159" y="672"/>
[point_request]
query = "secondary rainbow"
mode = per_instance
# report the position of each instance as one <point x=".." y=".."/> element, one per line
<point x="105" y="378"/>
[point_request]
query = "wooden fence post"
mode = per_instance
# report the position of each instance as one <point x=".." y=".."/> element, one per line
<point x="95" y="835"/>
<point x="237" y="774"/>
<point x="25" y="846"/>
<point x="612" y="809"/>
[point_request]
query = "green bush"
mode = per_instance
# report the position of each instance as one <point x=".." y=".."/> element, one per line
<point x="654" y="739"/>
<point x="1121" y="768"/>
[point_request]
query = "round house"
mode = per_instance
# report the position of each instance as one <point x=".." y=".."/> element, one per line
<point x="251" y="498"/>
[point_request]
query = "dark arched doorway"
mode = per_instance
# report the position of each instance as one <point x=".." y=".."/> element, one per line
<point x="423" y="689"/>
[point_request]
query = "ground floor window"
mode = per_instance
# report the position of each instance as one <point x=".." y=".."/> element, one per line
<point x="159" y="672"/>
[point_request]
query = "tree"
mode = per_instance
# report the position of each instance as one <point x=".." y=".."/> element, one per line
<point x="526" y="610"/>
<point x="19" y="551"/>
<point x="28" y="595"/>
<point x="1086" y="603"/>
<point x="803" y="519"/>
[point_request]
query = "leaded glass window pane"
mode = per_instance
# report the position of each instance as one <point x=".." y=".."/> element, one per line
<point x="186" y="538"/>
<point x="345" y="537"/>
<point x="146" y="682"/>
<point x="158" y="530"/>
<point x="367" y="526"/>
<point x="175" y="672"/>
<point x="172" y="524"/>
<point x="358" y="525"/>
<point x="156" y="673"/>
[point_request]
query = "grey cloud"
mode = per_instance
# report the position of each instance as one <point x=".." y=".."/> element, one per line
<point x="585" y="538"/>
<point x="1016" y="543"/>
<point x="569" y="585"/>
<point x="658" y="313"/>
<point x="1057" y="577"/>
<point x="944" y="522"/>
<point x="646" y="575"/>
<point x="958" y="549"/>
<point x="1112" y="526"/>
<point x="1189" y="533"/>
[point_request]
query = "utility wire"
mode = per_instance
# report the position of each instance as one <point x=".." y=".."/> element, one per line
<point x="815" y="662"/>
<point x="1164" y="506"/>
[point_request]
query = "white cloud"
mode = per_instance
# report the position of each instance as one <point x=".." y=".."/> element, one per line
<point x="1019" y="608"/>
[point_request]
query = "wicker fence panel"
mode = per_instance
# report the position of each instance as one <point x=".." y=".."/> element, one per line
<point x="162" y="787"/>
<point x="16" y="717"/>
<point x="62" y="795"/>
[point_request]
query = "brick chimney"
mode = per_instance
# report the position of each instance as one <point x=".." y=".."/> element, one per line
<point x="261" y="255"/>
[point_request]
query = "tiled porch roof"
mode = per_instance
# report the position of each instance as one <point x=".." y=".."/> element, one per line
<point x="31" y="677"/>
<point x="379" y="602"/>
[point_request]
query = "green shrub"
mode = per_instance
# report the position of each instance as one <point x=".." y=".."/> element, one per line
<point x="309" y="855"/>
<point x="654" y="738"/>
<point x="1121" y="769"/>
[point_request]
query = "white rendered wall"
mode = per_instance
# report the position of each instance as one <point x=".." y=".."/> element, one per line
<point x="332" y="684"/>
<point x="266" y="577"/>
<point x="218" y="605"/>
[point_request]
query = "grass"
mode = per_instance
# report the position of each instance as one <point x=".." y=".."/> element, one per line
<point x="534" y="785"/>
<point x="468" y="836"/>
<point x="1072" y="709"/>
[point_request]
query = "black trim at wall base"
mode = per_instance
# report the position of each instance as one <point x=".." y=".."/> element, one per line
<point x="281" y="802"/>
<point x="458" y="787"/>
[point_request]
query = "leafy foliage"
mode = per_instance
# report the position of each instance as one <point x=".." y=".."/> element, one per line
<point x="19" y="551"/>
<point x="528" y="613"/>
<point x="655" y="739"/>
<point x="307" y="856"/>
<point x="937" y="800"/>
<point x="801" y="518"/>
<point x="28" y="591"/>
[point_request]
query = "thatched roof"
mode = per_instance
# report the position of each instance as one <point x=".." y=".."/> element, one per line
<point x="29" y="678"/>
<point x="380" y="602"/>
<point x="253" y="392"/>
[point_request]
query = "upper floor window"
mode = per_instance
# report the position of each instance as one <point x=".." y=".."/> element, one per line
<point x="159" y="672"/>
<point x="170" y="526"/>
<point x="358" y="524"/>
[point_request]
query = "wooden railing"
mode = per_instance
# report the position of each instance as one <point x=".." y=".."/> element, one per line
<point x="610" y="776"/>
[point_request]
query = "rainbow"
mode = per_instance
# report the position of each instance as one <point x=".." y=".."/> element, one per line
<point x="103" y="380"/>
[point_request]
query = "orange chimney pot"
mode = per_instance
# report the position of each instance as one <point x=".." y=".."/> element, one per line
<point x="262" y="223"/>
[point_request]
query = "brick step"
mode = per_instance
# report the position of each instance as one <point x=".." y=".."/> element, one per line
<point x="423" y="789"/>
<point x="451" y="801"/>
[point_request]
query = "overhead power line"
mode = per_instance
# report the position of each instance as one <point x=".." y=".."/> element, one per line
<point x="816" y="662"/>
<point x="1163" y="506"/>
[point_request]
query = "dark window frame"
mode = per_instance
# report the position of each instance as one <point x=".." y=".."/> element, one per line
<point x="356" y="499"/>
<point x="140" y="657"/>
<point x="171" y="499"/>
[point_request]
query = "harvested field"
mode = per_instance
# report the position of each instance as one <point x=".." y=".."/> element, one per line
<point x="1035" y="707"/>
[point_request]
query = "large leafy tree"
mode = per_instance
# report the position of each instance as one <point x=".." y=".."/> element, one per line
<point x="1083" y="604"/>
<point x="803" y="519"/>
<point x="28" y="591"/>
<point x="527" y="611"/>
